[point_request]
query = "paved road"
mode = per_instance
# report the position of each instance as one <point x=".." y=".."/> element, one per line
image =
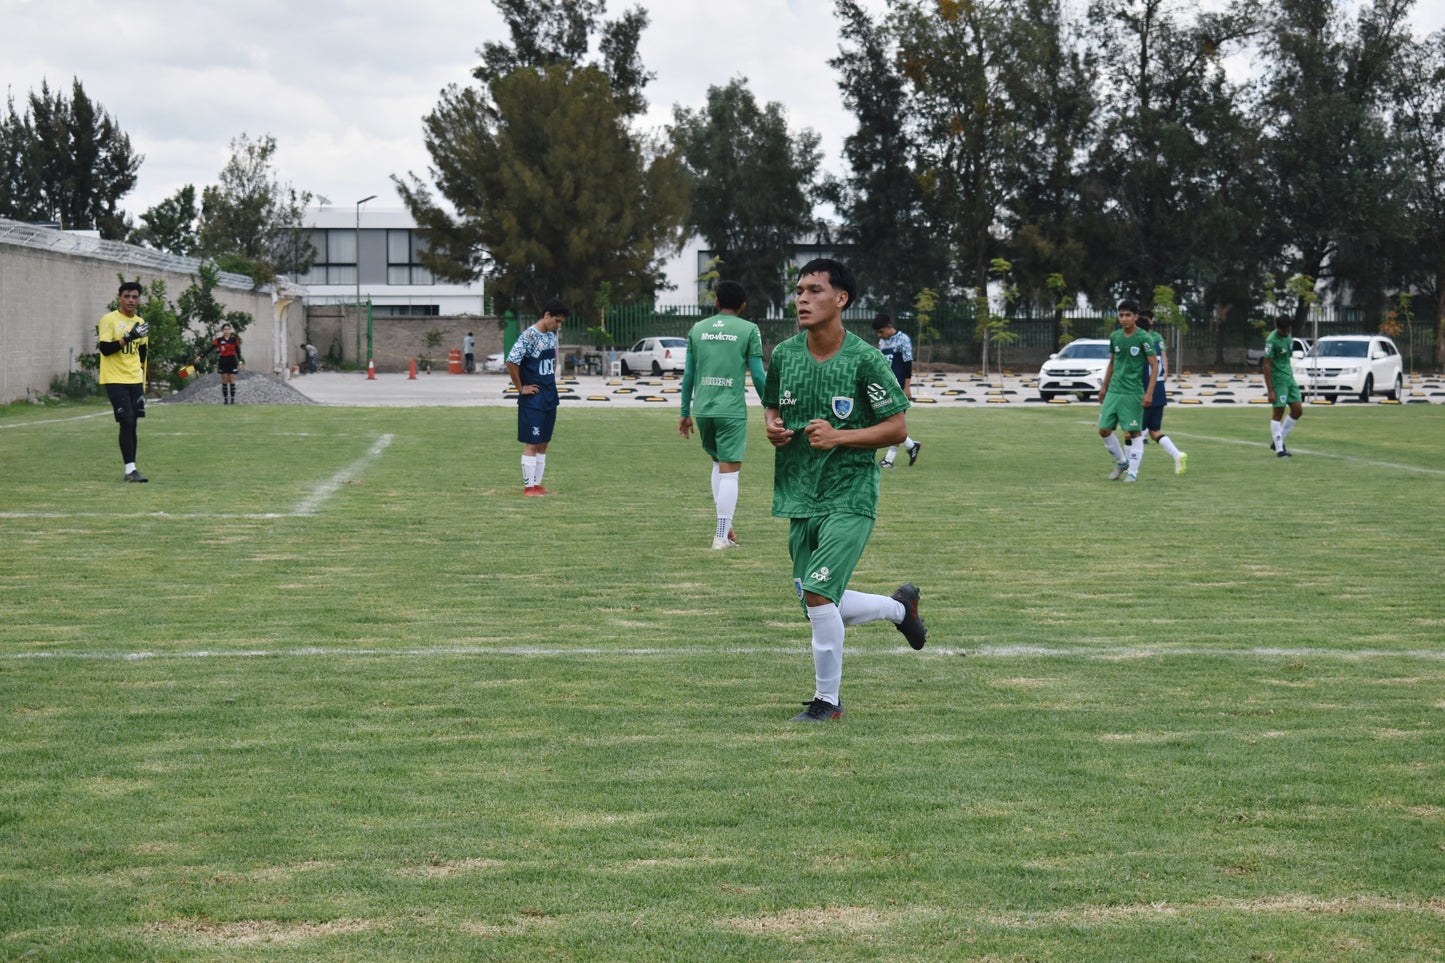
<point x="944" y="390"/>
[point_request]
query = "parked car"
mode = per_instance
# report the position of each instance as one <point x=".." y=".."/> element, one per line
<point x="494" y="364"/>
<point x="1076" y="369"/>
<point x="654" y="356"/>
<point x="1298" y="349"/>
<point x="1352" y="364"/>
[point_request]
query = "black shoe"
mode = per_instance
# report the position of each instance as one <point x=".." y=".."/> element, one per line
<point x="135" y="476"/>
<point x="1272" y="447"/>
<point x="819" y="711"/>
<point x="912" y="626"/>
<point x="1283" y="453"/>
<point x="913" y="452"/>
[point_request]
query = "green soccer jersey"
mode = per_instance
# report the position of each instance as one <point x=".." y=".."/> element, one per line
<point x="853" y="389"/>
<point x="718" y="349"/>
<point x="1131" y="354"/>
<point x="1277" y="351"/>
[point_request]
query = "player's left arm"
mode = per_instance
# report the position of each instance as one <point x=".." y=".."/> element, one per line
<point x="755" y="368"/>
<point x="1153" y="379"/>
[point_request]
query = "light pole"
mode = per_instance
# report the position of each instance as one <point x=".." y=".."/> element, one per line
<point x="358" y="286"/>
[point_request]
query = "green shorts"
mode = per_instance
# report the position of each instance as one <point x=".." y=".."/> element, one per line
<point x="1123" y="411"/>
<point x="723" y="438"/>
<point x="825" y="550"/>
<point x="1286" y="393"/>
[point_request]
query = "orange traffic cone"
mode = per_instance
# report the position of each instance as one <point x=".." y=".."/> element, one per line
<point x="370" y="370"/>
<point x="412" y="376"/>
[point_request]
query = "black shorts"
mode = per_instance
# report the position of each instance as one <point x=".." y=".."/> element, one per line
<point x="127" y="400"/>
<point x="229" y="364"/>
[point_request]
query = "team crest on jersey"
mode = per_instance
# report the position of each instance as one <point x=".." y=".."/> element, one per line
<point x="1134" y="351"/>
<point x="842" y="407"/>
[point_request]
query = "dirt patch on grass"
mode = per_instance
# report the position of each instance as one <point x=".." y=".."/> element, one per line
<point x="206" y="932"/>
<point x="451" y="868"/>
<point x="798" y="923"/>
<point x="1024" y="683"/>
<point x="1294" y="904"/>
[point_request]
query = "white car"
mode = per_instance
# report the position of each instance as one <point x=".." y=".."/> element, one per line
<point x="654" y="356"/>
<point x="1352" y="364"/>
<point x="494" y="364"/>
<point x="1076" y="369"/>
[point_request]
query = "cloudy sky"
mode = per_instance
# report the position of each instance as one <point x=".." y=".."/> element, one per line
<point x="343" y="84"/>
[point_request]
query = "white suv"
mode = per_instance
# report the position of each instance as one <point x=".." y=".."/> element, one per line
<point x="1352" y="364"/>
<point x="1077" y="369"/>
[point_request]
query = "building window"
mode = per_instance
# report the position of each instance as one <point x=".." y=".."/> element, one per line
<point x="403" y="261"/>
<point x="406" y="310"/>
<point x="335" y="258"/>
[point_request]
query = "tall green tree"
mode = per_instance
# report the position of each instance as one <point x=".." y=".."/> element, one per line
<point x="251" y="223"/>
<point x="1336" y="181"/>
<point x="172" y="225"/>
<point x="751" y="186"/>
<point x="66" y="161"/>
<point x="1420" y="119"/>
<point x="892" y="247"/>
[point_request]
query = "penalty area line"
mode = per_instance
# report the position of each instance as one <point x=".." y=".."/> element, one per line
<point x="322" y="492"/>
<point x="1373" y="463"/>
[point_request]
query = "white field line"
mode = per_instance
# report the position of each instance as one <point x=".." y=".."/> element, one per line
<point x="307" y="507"/>
<point x="1109" y="653"/>
<point x="1318" y="454"/>
<point x="54" y="421"/>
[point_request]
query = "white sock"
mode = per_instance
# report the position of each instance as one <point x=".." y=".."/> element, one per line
<point x="129" y="467"/>
<point x="1168" y="447"/>
<point x="529" y="470"/>
<point x="859" y="607"/>
<point x="1111" y="442"/>
<point x="1286" y="427"/>
<point x="716" y="474"/>
<point x="827" y="651"/>
<point x="892" y="454"/>
<point x="1136" y="454"/>
<point x="909" y="442"/>
<point x="727" y="501"/>
<point x="541" y="467"/>
<point x="1276" y="431"/>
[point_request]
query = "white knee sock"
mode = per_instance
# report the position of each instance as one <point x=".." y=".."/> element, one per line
<point x="1111" y="442"/>
<point x="827" y="651"/>
<point x="892" y="454"/>
<point x="1286" y="427"/>
<point x="1136" y="454"/>
<point x="1168" y="446"/>
<point x="727" y="501"/>
<point x="716" y="474"/>
<point x="541" y="467"/>
<point x="859" y="607"/>
<point x="1276" y="431"/>
<point x="529" y="470"/>
<point x="909" y="442"/>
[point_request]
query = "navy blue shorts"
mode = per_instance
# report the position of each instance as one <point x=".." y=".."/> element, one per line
<point x="1154" y="418"/>
<point x="534" y="425"/>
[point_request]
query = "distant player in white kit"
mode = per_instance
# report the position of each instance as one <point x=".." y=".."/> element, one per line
<point x="897" y="347"/>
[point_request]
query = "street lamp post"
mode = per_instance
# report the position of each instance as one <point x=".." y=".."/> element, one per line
<point x="358" y="287"/>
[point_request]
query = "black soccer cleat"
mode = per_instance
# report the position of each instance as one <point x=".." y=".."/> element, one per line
<point x="913" y="452"/>
<point x="135" y="476"/>
<point x="1283" y="453"/>
<point x="912" y="626"/>
<point x="819" y="711"/>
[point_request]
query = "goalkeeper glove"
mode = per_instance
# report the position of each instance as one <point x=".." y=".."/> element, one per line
<point x="138" y="332"/>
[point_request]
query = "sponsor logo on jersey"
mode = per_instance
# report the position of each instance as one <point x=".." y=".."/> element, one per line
<point x="718" y="382"/>
<point x="842" y="407"/>
<point x="706" y="336"/>
<point x="822" y="575"/>
<point x="877" y="394"/>
<point x="787" y="399"/>
<point x="536" y="432"/>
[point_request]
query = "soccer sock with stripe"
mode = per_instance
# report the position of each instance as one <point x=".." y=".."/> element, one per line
<point x="529" y="471"/>
<point x="827" y="651"/>
<point x="1276" y="431"/>
<point x="1169" y="447"/>
<point x="859" y="607"/>
<point x="1136" y="454"/>
<point x="726" y="500"/>
<point x="1111" y="442"/>
<point x="541" y="469"/>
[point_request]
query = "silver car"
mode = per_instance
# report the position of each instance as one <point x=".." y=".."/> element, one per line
<point x="654" y="356"/>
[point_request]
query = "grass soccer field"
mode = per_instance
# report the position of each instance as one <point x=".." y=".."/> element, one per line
<point x="329" y="688"/>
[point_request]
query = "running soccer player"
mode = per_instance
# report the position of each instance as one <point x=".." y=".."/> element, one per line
<point x="1154" y="414"/>
<point x="121" y="338"/>
<point x="532" y="365"/>
<point x="897" y="347"/>
<point x="830" y="403"/>
<point x="1280" y="385"/>
<point x="1132" y="359"/>
<point x="721" y="351"/>
<point x="228" y="347"/>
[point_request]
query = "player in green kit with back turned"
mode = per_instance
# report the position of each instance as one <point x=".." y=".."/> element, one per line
<point x="721" y="351"/>
<point x="1131" y="350"/>
<point x="830" y="402"/>
<point x="1280" y="385"/>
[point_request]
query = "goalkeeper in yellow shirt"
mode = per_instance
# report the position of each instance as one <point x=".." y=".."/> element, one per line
<point x="121" y="337"/>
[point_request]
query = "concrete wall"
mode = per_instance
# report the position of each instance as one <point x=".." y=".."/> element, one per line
<point x="395" y="341"/>
<point x="50" y="303"/>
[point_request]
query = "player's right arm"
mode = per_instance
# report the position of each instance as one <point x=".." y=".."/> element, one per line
<point x="778" y="434"/>
<point x="1268" y="375"/>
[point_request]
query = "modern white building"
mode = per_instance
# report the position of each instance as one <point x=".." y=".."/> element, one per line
<point x="372" y="253"/>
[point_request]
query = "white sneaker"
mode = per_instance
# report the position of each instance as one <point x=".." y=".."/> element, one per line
<point x="1131" y="477"/>
<point x="723" y="542"/>
<point x="1119" y="469"/>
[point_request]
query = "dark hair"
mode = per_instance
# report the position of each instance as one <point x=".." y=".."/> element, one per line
<point x="731" y="295"/>
<point x="881" y="320"/>
<point x="555" y="308"/>
<point x="130" y="286"/>
<point x="1284" y="322"/>
<point x="1146" y="320"/>
<point x="1130" y="305"/>
<point x="838" y="275"/>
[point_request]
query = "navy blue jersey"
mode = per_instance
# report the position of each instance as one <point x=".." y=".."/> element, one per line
<point x="535" y="355"/>
<point x="898" y="349"/>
